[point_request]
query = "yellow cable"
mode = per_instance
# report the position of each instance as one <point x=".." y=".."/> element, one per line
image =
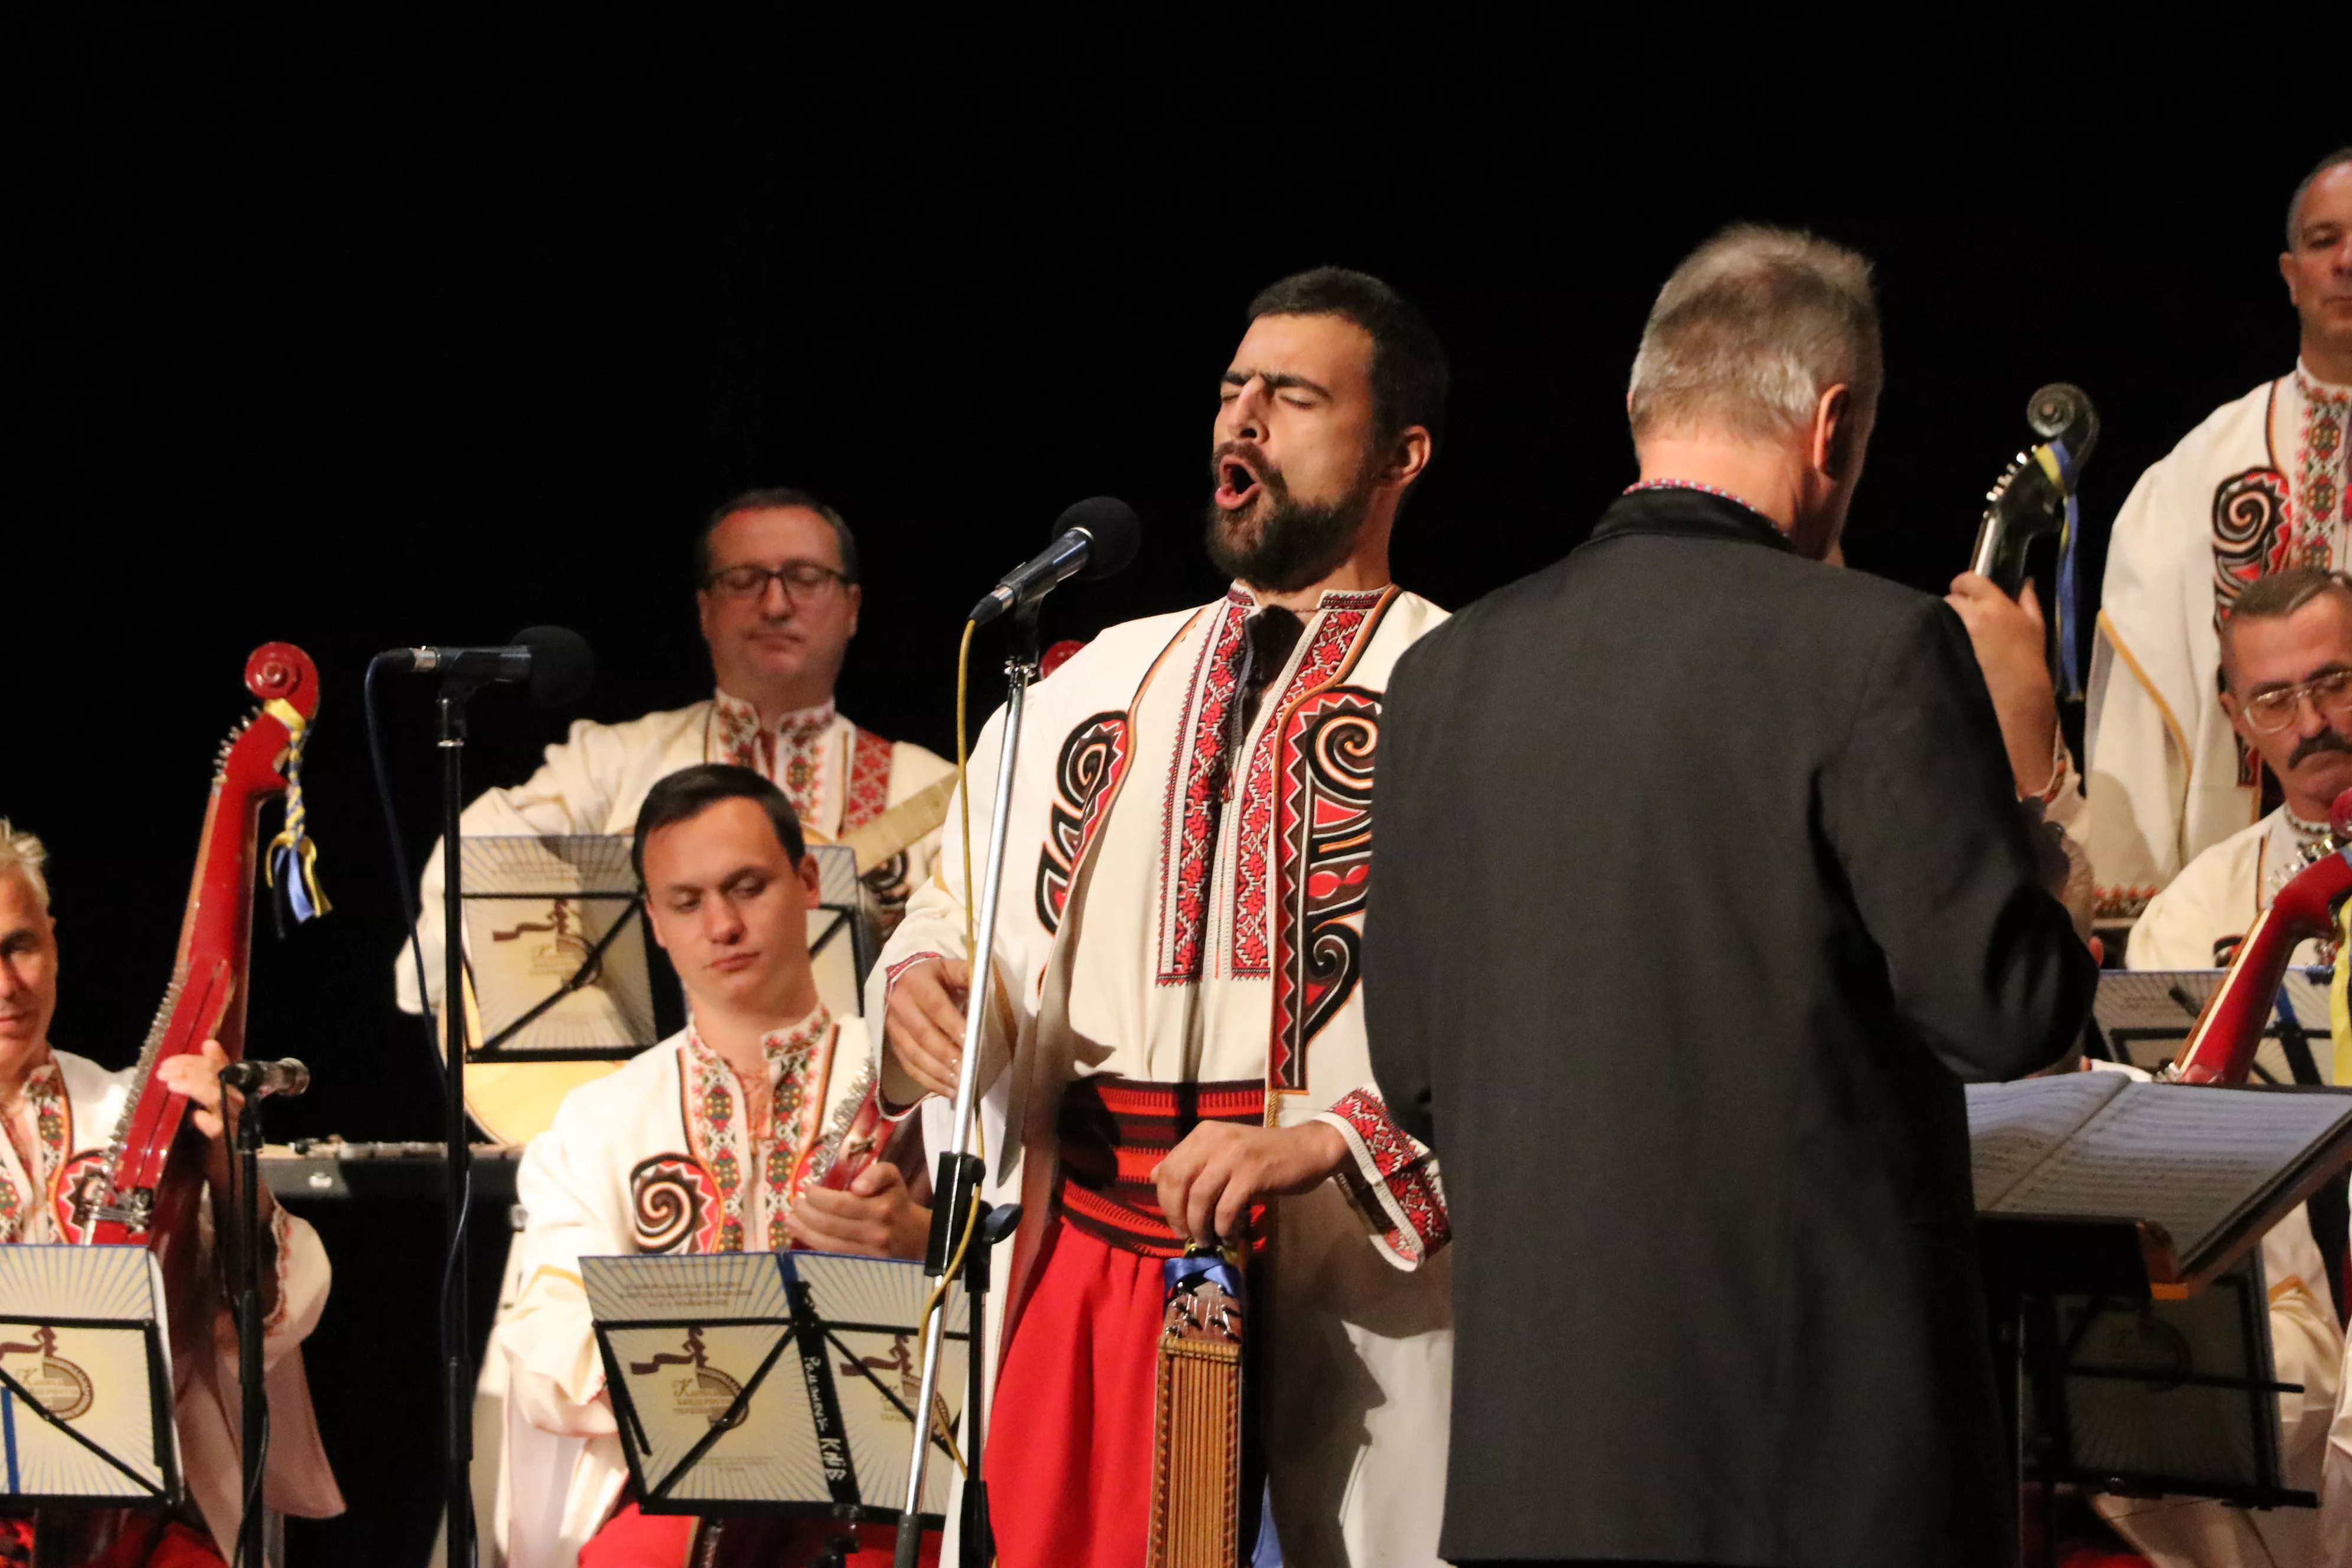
<point x="979" y="1127"/>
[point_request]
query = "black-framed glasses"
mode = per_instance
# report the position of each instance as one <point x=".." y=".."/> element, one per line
<point x="2272" y="710"/>
<point x="804" y="582"/>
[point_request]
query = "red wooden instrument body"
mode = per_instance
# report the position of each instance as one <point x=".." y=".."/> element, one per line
<point x="146" y="1191"/>
<point x="869" y="1133"/>
<point x="2222" y="1047"/>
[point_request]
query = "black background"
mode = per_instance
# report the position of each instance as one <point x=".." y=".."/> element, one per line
<point x="425" y="330"/>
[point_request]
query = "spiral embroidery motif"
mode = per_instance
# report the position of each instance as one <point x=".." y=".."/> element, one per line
<point x="1090" y="761"/>
<point x="2252" y="532"/>
<point x="667" y="1200"/>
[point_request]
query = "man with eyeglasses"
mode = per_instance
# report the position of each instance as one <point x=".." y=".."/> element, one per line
<point x="778" y="598"/>
<point x="2286" y="685"/>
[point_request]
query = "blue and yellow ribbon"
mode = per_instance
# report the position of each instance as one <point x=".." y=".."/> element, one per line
<point x="2059" y="465"/>
<point x="293" y="853"/>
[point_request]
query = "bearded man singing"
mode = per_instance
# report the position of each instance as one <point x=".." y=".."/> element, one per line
<point x="1176" y="1052"/>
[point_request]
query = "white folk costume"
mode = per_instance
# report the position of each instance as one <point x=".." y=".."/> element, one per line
<point x="1176" y="942"/>
<point x="2195" y="923"/>
<point x="837" y="776"/>
<point x="2258" y="486"/>
<point x="655" y="1158"/>
<point x="57" y="1136"/>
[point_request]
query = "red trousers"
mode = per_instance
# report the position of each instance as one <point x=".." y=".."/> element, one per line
<point x="1069" y="1444"/>
<point x="634" y="1539"/>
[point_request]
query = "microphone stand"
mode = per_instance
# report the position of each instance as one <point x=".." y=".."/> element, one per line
<point x="251" y="1531"/>
<point x="956" y="1187"/>
<point x="456" y="1371"/>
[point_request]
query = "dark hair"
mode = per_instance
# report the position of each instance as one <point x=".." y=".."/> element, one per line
<point x="774" y="497"/>
<point x="689" y="792"/>
<point x="2275" y="597"/>
<point x="1409" y="374"/>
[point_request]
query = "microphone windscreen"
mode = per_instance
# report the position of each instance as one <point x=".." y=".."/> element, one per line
<point x="1117" y="533"/>
<point x="562" y="667"/>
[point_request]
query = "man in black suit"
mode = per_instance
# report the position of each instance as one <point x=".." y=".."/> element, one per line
<point x="1702" y="886"/>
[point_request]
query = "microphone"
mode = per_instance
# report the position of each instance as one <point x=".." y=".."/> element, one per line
<point x="555" y="663"/>
<point x="1100" y="536"/>
<point x="284" y="1079"/>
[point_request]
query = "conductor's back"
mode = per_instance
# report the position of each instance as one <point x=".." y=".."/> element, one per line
<point x="1703" y="888"/>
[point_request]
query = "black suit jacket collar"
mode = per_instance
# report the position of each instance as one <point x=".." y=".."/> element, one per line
<point x="1687" y="514"/>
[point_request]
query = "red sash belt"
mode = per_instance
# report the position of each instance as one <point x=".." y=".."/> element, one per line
<point x="1114" y="1131"/>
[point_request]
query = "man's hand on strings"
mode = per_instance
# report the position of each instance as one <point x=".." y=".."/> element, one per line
<point x="196" y="1077"/>
<point x="1208" y="1182"/>
<point x="2011" y="651"/>
<point x="875" y="1217"/>
<point x="924" y="1021"/>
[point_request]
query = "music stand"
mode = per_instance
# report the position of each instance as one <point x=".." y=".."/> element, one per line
<point x="773" y="1381"/>
<point x="2145" y="1397"/>
<point x="2146" y="1016"/>
<point x="85" y="1379"/>
<point x="556" y="949"/>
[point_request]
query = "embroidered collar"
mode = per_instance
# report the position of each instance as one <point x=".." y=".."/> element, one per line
<point x="2308" y="830"/>
<point x="1245" y="595"/>
<point x="2316" y="390"/>
<point x="800" y="726"/>
<point x="783" y="1047"/>
<point x="41" y="1083"/>
<point x="1692" y="485"/>
<point x="1686" y="510"/>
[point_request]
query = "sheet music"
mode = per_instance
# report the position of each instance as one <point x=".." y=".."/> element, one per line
<point x="829" y="1423"/>
<point x="98" y="1375"/>
<point x="2013" y="1127"/>
<point x="2145" y="1001"/>
<point x="2192" y="1158"/>
<point x="2153" y="1001"/>
<point x="537" y="909"/>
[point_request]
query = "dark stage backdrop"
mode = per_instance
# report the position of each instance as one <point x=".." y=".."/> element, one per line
<point x="429" y="330"/>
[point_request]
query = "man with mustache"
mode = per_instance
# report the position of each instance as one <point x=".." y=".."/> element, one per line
<point x="2286" y="685"/>
<point x="1176" y="1053"/>
<point x="2260" y="486"/>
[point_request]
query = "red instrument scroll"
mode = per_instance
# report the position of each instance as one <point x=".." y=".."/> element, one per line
<point x="2221" y="1048"/>
<point x="146" y="1190"/>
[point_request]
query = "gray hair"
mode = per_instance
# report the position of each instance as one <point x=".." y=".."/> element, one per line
<point x="2294" y="202"/>
<point x="1750" y="332"/>
<point x="22" y="853"/>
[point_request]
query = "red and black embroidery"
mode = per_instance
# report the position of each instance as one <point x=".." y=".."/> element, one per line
<point x="672" y="1205"/>
<point x="1323" y="838"/>
<point x="1196" y="779"/>
<point x="1393" y="1179"/>
<point x="1092" y="759"/>
<point x="2253" y="534"/>
<point x="868" y="795"/>
<point x="1337" y="635"/>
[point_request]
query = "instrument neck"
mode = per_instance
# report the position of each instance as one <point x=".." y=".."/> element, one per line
<point x="2221" y="1048"/>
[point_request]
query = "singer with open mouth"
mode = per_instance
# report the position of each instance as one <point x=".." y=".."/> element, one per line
<point x="1212" y="1185"/>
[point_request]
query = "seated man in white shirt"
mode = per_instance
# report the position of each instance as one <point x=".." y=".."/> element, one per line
<point x="777" y="596"/>
<point x="718" y="1140"/>
<point x="2286" y="685"/>
<point x="59" y="1111"/>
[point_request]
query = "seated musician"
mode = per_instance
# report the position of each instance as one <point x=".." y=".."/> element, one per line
<point x="778" y="598"/>
<point x="2286" y="685"/>
<point x="59" y="1110"/>
<point x="715" y="1141"/>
